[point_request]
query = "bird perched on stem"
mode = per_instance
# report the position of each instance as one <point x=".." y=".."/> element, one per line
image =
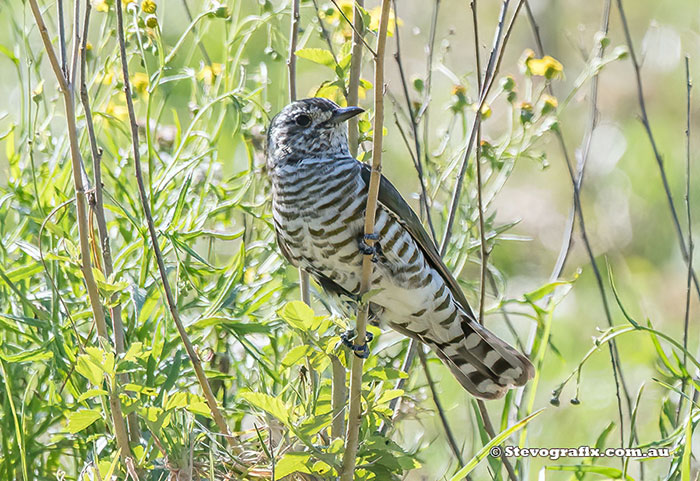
<point x="319" y="196"/>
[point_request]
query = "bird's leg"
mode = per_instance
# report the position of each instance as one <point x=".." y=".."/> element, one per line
<point x="371" y="250"/>
<point x="348" y="338"/>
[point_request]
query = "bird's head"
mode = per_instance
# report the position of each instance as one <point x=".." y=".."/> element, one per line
<point x="307" y="129"/>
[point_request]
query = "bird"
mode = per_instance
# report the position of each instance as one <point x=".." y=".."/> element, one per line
<point x="319" y="196"/>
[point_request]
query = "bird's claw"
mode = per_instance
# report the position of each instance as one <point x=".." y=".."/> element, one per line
<point x="370" y="250"/>
<point x="348" y="338"/>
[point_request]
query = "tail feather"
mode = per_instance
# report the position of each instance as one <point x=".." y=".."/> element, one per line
<point x="484" y="365"/>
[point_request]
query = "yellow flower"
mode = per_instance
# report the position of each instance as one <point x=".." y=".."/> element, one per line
<point x="527" y="55"/>
<point x="459" y="90"/>
<point x="249" y="275"/>
<point x="152" y="21"/>
<point x="549" y="104"/>
<point x="332" y="16"/>
<point x="140" y="82"/>
<point x="149" y="6"/>
<point x="526" y="112"/>
<point x="88" y="46"/>
<point x="375" y="15"/>
<point x="335" y="18"/>
<point x="117" y="111"/>
<point x="101" y="5"/>
<point x="127" y="2"/>
<point x="547" y="67"/>
<point x="107" y="78"/>
<point x="485" y="110"/>
<point x="209" y="73"/>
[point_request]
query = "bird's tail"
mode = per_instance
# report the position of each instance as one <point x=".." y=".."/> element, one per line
<point x="485" y="365"/>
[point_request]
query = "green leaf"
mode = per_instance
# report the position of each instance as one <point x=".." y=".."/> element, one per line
<point x="292" y="463"/>
<point x="269" y="404"/>
<point x="80" y="420"/>
<point x="389" y="394"/>
<point x="483" y="452"/>
<point x="294" y="355"/>
<point x="317" y="55"/>
<point x="384" y="374"/>
<point x="90" y="393"/>
<point x="541" y="292"/>
<point x="89" y="369"/>
<point x="298" y="315"/>
<point x="32" y="355"/>
<point x="21" y="273"/>
<point x="107" y="468"/>
<point x="687" y="451"/>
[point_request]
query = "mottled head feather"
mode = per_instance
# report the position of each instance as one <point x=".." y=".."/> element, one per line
<point x="306" y="129"/>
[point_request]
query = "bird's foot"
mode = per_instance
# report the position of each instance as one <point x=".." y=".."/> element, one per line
<point x="348" y="338"/>
<point x="374" y="250"/>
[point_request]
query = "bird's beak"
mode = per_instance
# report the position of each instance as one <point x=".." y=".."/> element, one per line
<point x="344" y="113"/>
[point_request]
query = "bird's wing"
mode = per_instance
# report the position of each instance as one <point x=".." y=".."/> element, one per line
<point x="391" y="199"/>
<point x="283" y="247"/>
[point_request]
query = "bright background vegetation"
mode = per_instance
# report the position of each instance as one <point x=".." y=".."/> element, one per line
<point x="202" y="119"/>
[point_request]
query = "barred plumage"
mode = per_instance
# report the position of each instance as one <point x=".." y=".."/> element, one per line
<point x="319" y="194"/>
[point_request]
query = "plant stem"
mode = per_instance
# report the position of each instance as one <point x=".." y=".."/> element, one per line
<point x="194" y="358"/>
<point x="494" y="64"/>
<point x="355" y="72"/>
<point x="292" y="58"/>
<point x="438" y="405"/>
<point x="618" y="376"/>
<point x="354" y="411"/>
<point x="67" y="91"/>
<point x="97" y="206"/>
<point x="425" y="205"/>
<point x="691" y="246"/>
<point x="652" y="141"/>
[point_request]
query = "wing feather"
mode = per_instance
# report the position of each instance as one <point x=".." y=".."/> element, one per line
<point x="391" y="199"/>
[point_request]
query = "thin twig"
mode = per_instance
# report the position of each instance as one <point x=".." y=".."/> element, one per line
<point x="304" y="281"/>
<point x="97" y="206"/>
<point x="414" y="129"/>
<point x="423" y="116"/>
<point x="357" y="31"/>
<point x="194" y="358"/>
<point x="52" y="281"/>
<point x="292" y="58"/>
<point x="81" y="208"/>
<point x="592" y="124"/>
<point x="355" y="72"/>
<point x="325" y="34"/>
<point x="652" y="141"/>
<point x="618" y="376"/>
<point x="202" y="48"/>
<point x="441" y="412"/>
<point x="488" y="426"/>
<point x="495" y="59"/>
<point x="686" y="318"/>
<point x="62" y="38"/>
<point x="72" y="75"/>
<point x="477" y="160"/>
<point x="354" y="411"/>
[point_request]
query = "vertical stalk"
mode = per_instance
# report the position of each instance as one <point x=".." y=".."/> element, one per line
<point x="67" y="91"/>
<point x="354" y="412"/>
<point x="97" y="206"/>
<point x="304" y="287"/>
<point x="194" y="358"/>
<point x="355" y="71"/>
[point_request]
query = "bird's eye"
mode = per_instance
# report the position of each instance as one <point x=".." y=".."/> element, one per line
<point x="303" y="120"/>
